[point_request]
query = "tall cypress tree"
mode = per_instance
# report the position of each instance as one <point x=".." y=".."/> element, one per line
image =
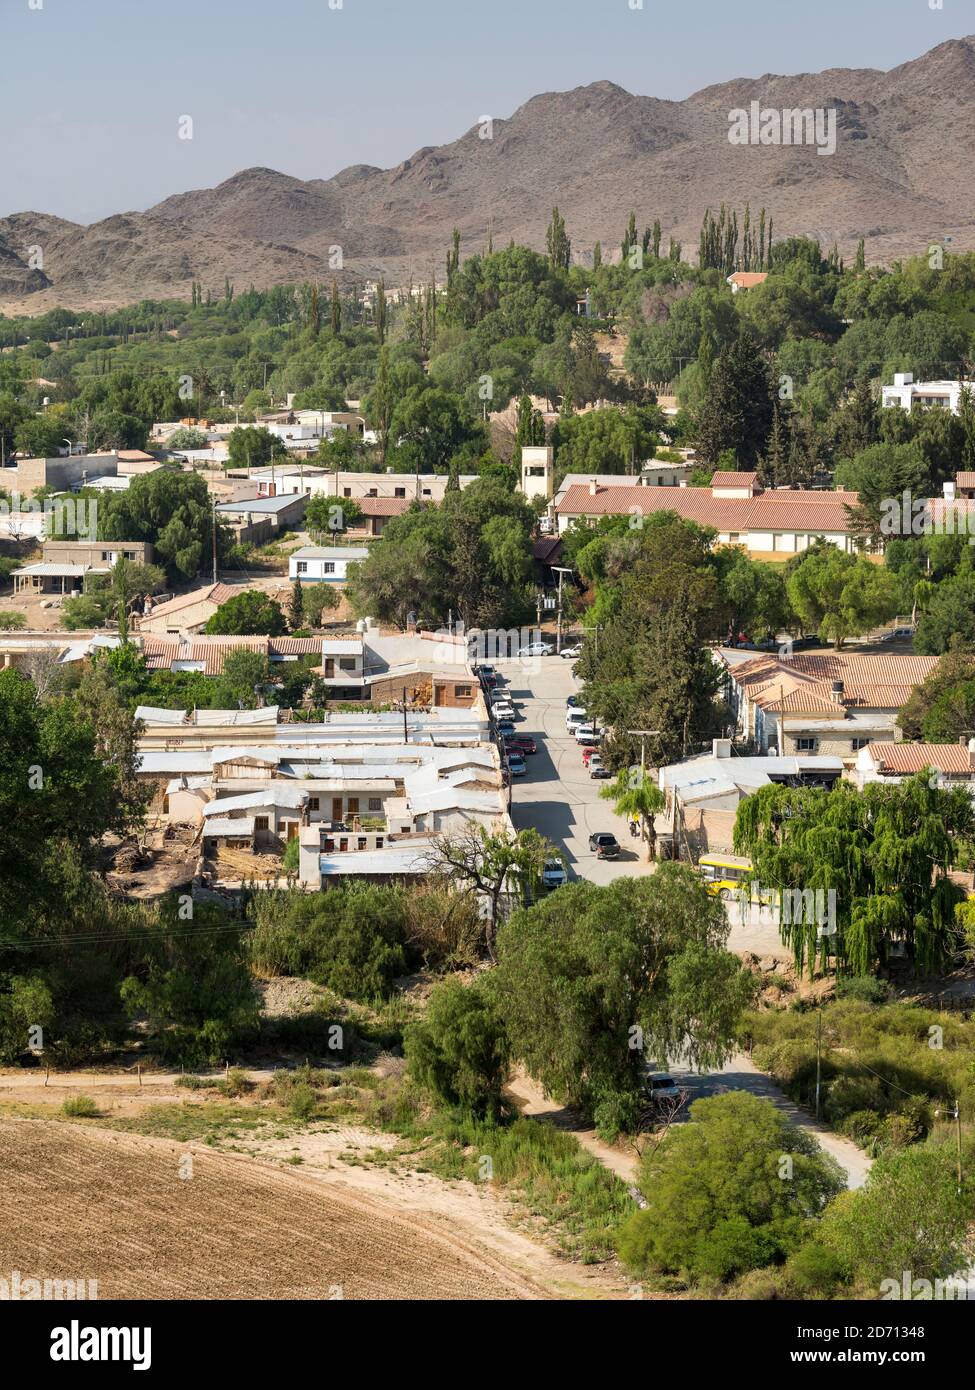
<point x="738" y="407"/>
<point x="336" y="310"/>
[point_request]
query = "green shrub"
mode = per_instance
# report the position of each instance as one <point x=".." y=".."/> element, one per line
<point x="814" y="1270"/>
<point x="303" y="1102"/>
<point x="863" y="987"/>
<point x="459" y="1049"/>
<point x="80" y="1107"/>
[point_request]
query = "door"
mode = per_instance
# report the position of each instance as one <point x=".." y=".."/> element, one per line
<point x="336" y="808"/>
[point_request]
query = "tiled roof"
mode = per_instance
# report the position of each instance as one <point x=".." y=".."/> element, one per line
<point x="905" y="758"/>
<point x="966" y="480"/>
<point x="748" y="279"/>
<point x="211" y="593"/>
<point x="785" y="510"/>
<point x="804" y="682"/>
<point x="382" y="506"/>
<point x="733" y="479"/>
<point x="161" y="652"/>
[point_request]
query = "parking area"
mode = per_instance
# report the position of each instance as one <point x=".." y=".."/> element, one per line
<point x="559" y="799"/>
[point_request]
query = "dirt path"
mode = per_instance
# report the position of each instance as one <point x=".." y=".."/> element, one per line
<point x="533" y="1101"/>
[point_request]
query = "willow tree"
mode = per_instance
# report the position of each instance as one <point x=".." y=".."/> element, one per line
<point x="878" y="861"/>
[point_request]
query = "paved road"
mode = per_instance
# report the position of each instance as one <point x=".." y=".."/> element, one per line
<point x="561" y="800"/>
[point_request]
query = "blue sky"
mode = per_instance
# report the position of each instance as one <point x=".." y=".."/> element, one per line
<point x="93" y="90"/>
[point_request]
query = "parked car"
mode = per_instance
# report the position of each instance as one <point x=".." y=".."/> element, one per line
<point x="571" y="653"/>
<point x="606" y="846"/>
<point x="663" y="1092"/>
<point x="572" y="702"/>
<point x="503" y="710"/>
<point x="536" y="649"/>
<point x="517" y="765"/>
<point x="554" y="874"/>
<point x="503" y="727"/>
<point x="574" y="716"/>
<point x="588" y="754"/>
<point x="599" y="769"/>
<point x="521" y="743"/>
<point x="588" y="733"/>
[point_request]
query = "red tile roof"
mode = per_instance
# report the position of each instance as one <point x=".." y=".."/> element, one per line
<point x="906" y="758"/>
<point x="733" y="479"/>
<point x="748" y="279"/>
<point x="804" y="682"/>
<point x="786" y="510"/>
<point x="382" y="506"/>
<point x="161" y="652"/>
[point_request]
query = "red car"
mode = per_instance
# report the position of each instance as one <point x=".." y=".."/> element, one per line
<point x="587" y="754"/>
<point x="520" y="743"/>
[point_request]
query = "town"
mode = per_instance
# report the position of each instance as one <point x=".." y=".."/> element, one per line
<point x="489" y="757"/>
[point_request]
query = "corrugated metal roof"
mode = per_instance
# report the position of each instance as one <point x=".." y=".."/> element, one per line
<point x="231" y="828"/>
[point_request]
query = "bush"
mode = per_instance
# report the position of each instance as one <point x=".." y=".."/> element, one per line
<point x="289" y="860"/>
<point x="866" y="988"/>
<point x="79" y="1107"/>
<point x="814" y="1271"/>
<point x="459" y="1049"/>
<point x="717" y="1203"/>
<point x="303" y="1102"/>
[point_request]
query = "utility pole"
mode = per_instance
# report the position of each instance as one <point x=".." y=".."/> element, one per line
<point x="406" y="727"/>
<point x="560" y="571"/>
<point x="643" y="735"/>
<point x="214" y="530"/>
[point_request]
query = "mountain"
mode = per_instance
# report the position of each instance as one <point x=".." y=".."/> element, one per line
<point x="901" y="176"/>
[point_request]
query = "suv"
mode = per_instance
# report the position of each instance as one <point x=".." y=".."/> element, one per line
<point x="663" y="1092"/>
<point x="554" y="874"/>
<point x="517" y="764"/>
<point x="604" y="845"/>
<point x="502" y="709"/>
<point x="587" y="733"/>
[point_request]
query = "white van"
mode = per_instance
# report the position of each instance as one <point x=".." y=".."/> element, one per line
<point x="573" y="718"/>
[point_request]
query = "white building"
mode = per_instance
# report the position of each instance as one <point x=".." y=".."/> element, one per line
<point x="537" y="471"/>
<point x="315" y="564"/>
<point x="907" y="393"/>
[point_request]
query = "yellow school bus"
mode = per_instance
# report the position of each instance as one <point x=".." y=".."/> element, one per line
<point x="724" y="873"/>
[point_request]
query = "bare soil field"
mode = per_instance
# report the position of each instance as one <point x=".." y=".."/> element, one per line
<point x="86" y="1203"/>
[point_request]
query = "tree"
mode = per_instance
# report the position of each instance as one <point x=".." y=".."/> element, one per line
<point x="490" y="867"/>
<point x="331" y="515"/>
<point x="251" y="446"/>
<point x="296" y="606"/>
<point x="173" y="512"/>
<point x="880" y="475"/>
<point x="879" y="858"/>
<point x="949" y="615"/>
<point x="839" y="595"/>
<point x="955" y="669"/>
<point x="530" y="430"/>
<point x="620" y="975"/>
<point x="738" y="408"/>
<point x="335" y="311"/>
<point x="910" y="1216"/>
<point x="430" y="426"/>
<point x="250" y="613"/>
<point x="733" y="1190"/>
<point x="187" y="438"/>
<point x="315" y="599"/>
<point x="59" y="794"/>
<point x="557" y="242"/>
<point x="459" y="1049"/>
<point x="635" y="793"/>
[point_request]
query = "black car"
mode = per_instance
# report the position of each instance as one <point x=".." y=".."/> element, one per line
<point x="606" y="846"/>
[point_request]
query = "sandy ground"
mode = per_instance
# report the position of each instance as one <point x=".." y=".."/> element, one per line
<point x="346" y="1161"/>
<point x="150" y="1218"/>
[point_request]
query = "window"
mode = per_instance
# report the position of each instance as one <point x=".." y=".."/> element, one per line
<point x="375" y="803"/>
<point x="805" y="745"/>
<point x="346" y="492"/>
<point x="361" y="842"/>
<point x="462" y="691"/>
<point x="426" y="492"/>
<point x="313" y="803"/>
<point x="372" y="492"/>
<point x="399" y="492"/>
<point x="379" y="842"/>
<point x="261" y="822"/>
<point x="328" y="567"/>
<point x="857" y="743"/>
<point x="302" y="567"/>
<point x="347" y="663"/>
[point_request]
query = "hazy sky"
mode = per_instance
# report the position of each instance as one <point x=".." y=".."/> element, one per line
<point x="92" y="91"/>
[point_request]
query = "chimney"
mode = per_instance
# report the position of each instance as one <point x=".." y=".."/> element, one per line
<point x="721" y="748"/>
<point x="593" y="488"/>
<point x="838" y="690"/>
<point x="949" y="491"/>
<point x="971" y="754"/>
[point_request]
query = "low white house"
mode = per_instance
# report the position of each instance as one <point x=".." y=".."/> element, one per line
<point x="328" y="564"/>
<point x="907" y="393"/>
